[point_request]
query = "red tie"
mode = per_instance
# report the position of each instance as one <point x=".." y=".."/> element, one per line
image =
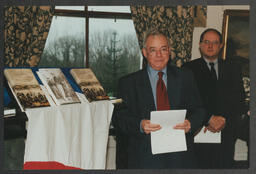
<point x="161" y="94"/>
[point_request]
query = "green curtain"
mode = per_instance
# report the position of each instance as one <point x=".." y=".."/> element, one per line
<point x="26" y="29"/>
<point x="177" y="22"/>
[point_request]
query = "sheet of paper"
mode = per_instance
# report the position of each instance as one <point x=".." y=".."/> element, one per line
<point x="168" y="139"/>
<point x="207" y="137"/>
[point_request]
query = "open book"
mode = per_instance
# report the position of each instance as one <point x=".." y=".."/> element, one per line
<point x="25" y="88"/>
<point x="58" y="86"/>
<point x="89" y="84"/>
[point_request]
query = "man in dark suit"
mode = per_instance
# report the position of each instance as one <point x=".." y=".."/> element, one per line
<point x="222" y="93"/>
<point x="140" y="95"/>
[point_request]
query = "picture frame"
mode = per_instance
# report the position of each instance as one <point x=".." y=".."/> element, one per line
<point x="236" y="39"/>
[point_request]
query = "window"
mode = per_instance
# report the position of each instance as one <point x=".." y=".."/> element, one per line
<point x="65" y="44"/>
<point x="124" y="9"/>
<point x="102" y="38"/>
<point x="69" y="7"/>
<point x="113" y="50"/>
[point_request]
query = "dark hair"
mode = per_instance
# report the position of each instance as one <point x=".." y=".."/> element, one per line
<point x="208" y="30"/>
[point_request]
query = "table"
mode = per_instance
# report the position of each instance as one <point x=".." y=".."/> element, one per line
<point x="72" y="136"/>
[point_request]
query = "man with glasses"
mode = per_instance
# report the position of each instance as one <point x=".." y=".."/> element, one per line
<point x="157" y="87"/>
<point x="222" y="93"/>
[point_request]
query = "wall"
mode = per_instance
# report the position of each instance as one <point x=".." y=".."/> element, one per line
<point x="214" y="20"/>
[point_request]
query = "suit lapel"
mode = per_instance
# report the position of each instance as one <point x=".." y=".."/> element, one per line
<point x="145" y="90"/>
<point x="205" y="69"/>
<point x="173" y="87"/>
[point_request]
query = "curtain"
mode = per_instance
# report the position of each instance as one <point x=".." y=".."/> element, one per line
<point x="26" y="29"/>
<point x="200" y="13"/>
<point x="177" y="22"/>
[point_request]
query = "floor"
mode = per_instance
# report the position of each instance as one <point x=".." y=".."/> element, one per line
<point x="14" y="154"/>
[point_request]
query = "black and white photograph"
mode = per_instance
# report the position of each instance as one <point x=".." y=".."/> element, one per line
<point x="26" y="88"/>
<point x="89" y="84"/>
<point x="58" y="86"/>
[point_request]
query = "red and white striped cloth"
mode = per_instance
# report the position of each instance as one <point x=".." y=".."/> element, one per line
<point x="70" y="136"/>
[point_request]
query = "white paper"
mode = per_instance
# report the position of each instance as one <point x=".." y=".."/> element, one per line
<point x="168" y="139"/>
<point x="207" y="137"/>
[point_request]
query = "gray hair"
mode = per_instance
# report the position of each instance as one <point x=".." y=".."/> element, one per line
<point x="154" y="32"/>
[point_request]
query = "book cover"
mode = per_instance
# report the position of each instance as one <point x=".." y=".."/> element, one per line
<point x="58" y="86"/>
<point x="89" y="84"/>
<point x="25" y="88"/>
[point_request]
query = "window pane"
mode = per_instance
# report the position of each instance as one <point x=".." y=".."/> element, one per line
<point x="70" y="7"/>
<point x="123" y="9"/>
<point x="65" y="44"/>
<point x="113" y="51"/>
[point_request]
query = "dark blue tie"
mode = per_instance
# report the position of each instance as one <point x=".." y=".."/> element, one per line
<point x="213" y="71"/>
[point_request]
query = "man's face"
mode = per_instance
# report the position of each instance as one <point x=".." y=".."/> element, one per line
<point x="156" y="51"/>
<point x="210" y="46"/>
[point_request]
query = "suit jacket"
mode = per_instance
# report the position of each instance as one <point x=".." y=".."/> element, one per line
<point x="138" y="102"/>
<point x="225" y="98"/>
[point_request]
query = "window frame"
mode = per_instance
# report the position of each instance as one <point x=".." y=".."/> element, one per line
<point x="87" y="15"/>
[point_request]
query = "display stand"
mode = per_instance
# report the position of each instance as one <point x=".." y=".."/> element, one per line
<point x="70" y="136"/>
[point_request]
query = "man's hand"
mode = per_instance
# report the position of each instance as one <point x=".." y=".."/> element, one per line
<point x="148" y="127"/>
<point x="216" y="124"/>
<point x="185" y="126"/>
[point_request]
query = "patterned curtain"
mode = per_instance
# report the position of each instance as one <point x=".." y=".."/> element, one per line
<point x="200" y="13"/>
<point x="26" y="29"/>
<point x="177" y="22"/>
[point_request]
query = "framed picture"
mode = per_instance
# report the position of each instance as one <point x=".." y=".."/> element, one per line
<point x="236" y="39"/>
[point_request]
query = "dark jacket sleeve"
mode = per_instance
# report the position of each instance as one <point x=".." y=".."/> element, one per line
<point x="124" y="118"/>
<point x="196" y="113"/>
<point x="189" y="66"/>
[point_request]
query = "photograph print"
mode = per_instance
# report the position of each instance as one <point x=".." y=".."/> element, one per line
<point x="26" y="88"/>
<point x="58" y="86"/>
<point x="89" y="84"/>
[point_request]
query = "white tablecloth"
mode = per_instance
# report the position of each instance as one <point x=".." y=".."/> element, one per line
<point x="74" y="135"/>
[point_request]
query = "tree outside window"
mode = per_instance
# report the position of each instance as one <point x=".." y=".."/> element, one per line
<point x="113" y="49"/>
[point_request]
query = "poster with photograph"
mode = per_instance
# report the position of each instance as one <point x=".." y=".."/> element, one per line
<point x="25" y="88"/>
<point x="58" y="86"/>
<point x="89" y="84"/>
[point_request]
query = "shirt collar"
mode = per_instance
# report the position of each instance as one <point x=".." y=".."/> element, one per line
<point x="207" y="61"/>
<point x="152" y="72"/>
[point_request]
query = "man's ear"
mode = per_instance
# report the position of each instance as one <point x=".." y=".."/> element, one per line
<point x="144" y="51"/>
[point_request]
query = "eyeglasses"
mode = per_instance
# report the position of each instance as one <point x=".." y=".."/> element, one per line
<point x="164" y="51"/>
<point x="207" y="42"/>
